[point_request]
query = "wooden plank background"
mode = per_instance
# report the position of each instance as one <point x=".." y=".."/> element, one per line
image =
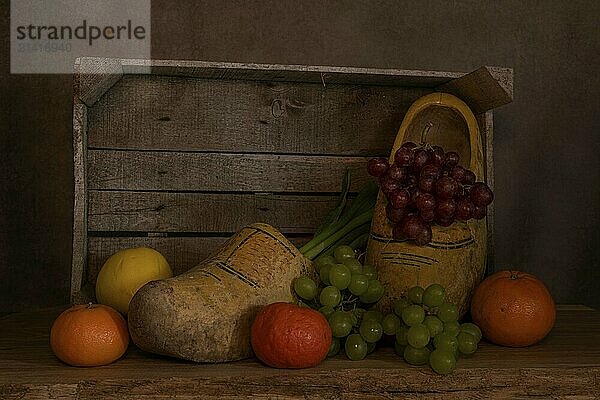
<point x="180" y="163"/>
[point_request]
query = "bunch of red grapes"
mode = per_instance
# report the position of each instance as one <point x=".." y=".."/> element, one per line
<point x="426" y="186"/>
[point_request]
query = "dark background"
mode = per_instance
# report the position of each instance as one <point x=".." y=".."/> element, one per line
<point x="546" y="142"/>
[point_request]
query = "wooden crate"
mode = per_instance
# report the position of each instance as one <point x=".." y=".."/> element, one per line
<point x="178" y="155"/>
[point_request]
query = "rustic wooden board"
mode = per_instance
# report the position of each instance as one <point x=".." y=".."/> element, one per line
<point x="291" y="73"/>
<point x="173" y="113"/>
<point x="182" y="252"/>
<point x="203" y="212"/>
<point x="565" y="365"/>
<point x="221" y="172"/>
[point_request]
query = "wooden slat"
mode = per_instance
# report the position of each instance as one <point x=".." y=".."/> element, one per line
<point x="182" y="253"/>
<point x="169" y="113"/>
<point x="483" y="89"/>
<point x="136" y="170"/>
<point x="564" y="365"/>
<point x="95" y="76"/>
<point x="79" y="196"/>
<point x="290" y="73"/>
<point x="486" y="127"/>
<point x="203" y="212"/>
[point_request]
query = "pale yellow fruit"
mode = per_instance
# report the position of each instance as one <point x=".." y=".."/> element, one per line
<point x="125" y="272"/>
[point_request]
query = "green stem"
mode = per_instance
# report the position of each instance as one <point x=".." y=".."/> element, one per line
<point x="360" y="241"/>
<point x="349" y="238"/>
<point x="364" y="202"/>
<point x="354" y="223"/>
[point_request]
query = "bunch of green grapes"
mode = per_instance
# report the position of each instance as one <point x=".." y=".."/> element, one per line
<point x="428" y="332"/>
<point x="347" y="288"/>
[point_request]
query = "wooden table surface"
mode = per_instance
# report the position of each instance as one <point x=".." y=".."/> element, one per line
<point x="565" y="365"/>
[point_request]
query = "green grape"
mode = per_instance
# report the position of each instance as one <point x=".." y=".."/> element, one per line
<point x="416" y="356"/>
<point x="418" y="336"/>
<point x="342" y="253"/>
<point x="340" y="323"/>
<point x="400" y="305"/>
<point x="355" y="347"/>
<point x="359" y="284"/>
<point x="339" y="276"/>
<point x="434" y="295"/>
<point x="413" y="315"/>
<point x="375" y="315"/>
<point x="446" y="342"/>
<point x="324" y="274"/>
<point x="447" y="312"/>
<point x="415" y="294"/>
<point x="390" y="324"/>
<point x="330" y="296"/>
<point x="434" y="325"/>
<point x="335" y="347"/>
<point x="471" y="328"/>
<point x="373" y="293"/>
<point x="452" y="328"/>
<point x="467" y="343"/>
<point x="370" y="330"/>
<point x="399" y="348"/>
<point x="305" y="287"/>
<point x="326" y="311"/>
<point x="323" y="260"/>
<point x="401" y="333"/>
<point x="370" y="271"/>
<point x="371" y="347"/>
<point x="353" y="265"/>
<point x="442" y="361"/>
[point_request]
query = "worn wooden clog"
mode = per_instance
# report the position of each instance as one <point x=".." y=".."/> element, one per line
<point x="456" y="255"/>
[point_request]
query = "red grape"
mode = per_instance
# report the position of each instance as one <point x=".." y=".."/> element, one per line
<point x="395" y="215"/>
<point x="481" y="195"/>
<point x="458" y="173"/>
<point x="451" y="159"/>
<point x="421" y="158"/>
<point x="445" y="208"/>
<point x="423" y="236"/>
<point x="397" y="232"/>
<point x="388" y="185"/>
<point x="377" y="166"/>
<point x="437" y="155"/>
<point x="399" y="174"/>
<point x="404" y="157"/>
<point x="446" y="187"/>
<point x="479" y="212"/>
<point x="412" y="180"/>
<point x="428" y="216"/>
<point x="427" y="184"/>
<point x="464" y="209"/>
<point x="444" y="221"/>
<point x="425" y="202"/>
<point x="469" y="177"/>
<point x="430" y="170"/>
<point x="409" y="145"/>
<point x="411" y="226"/>
<point x="399" y="198"/>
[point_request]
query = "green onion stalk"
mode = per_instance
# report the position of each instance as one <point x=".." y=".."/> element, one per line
<point x="344" y="224"/>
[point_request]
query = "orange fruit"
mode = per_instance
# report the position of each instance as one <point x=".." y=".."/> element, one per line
<point x="89" y="335"/>
<point x="284" y="335"/>
<point x="513" y="308"/>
